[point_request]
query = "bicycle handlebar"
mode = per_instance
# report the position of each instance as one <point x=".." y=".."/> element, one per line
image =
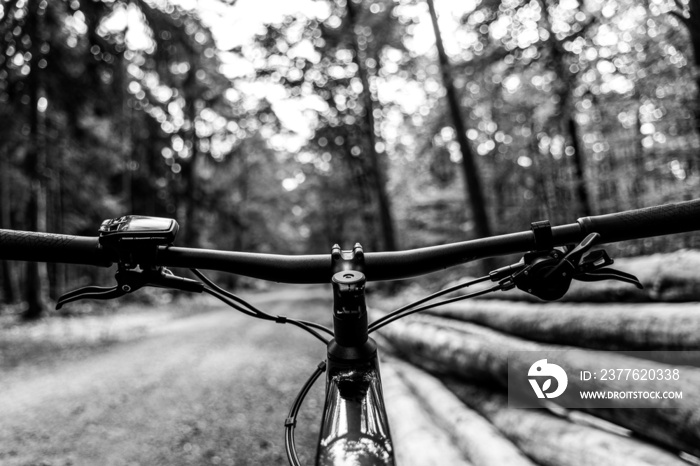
<point x="394" y="265"/>
<point x="634" y="224"/>
<point x="52" y="247"/>
<point x="659" y="220"/>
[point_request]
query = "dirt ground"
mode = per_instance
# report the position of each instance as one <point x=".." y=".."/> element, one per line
<point x="157" y="386"/>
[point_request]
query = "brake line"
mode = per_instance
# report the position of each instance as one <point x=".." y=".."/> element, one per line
<point x="412" y="309"/>
<point x="248" y="309"/>
<point x="252" y="308"/>
<point x="390" y="317"/>
<point x="291" y="421"/>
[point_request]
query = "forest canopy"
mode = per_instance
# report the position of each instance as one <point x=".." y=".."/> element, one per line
<point x="290" y="126"/>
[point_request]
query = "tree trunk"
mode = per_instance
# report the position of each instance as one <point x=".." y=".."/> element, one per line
<point x="367" y="200"/>
<point x="584" y="198"/>
<point x="36" y="283"/>
<point x="418" y="441"/>
<point x="472" y="352"/>
<point x="128" y="179"/>
<point x="696" y="163"/>
<point x="152" y="165"/>
<point x="478" y="439"/>
<point x="566" y="111"/>
<point x="191" y="236"/>
<point x="552" y="440"/>
<point x="692" y="22"/>
<point x="8" y="271"/>
<point x="544" y="188"/>
<point x="639" y="156"/>
<point x="474" y="191"/>
<point x="642" y="327"/>
<point x="54" y="209"/>
<point x="378" y="176"/>
<point x="189" y="167"/>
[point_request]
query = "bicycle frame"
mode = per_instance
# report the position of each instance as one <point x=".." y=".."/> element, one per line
<point x="355" y="428"/>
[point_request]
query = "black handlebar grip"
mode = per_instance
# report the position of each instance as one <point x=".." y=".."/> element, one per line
<point x="50" y="247"/>
<point x="643" y="223"/>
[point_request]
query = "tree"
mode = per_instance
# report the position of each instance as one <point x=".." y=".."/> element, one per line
<point x="183" y="41"/>
<point x="690" y="17"/>
<point x="36" y="284"/>
<point x="336" y="62"/>
<point x="474" y="191"/>
<point x="377" y="170"/>
<point x="566" y="82"/>
<point x="92" y="112"/>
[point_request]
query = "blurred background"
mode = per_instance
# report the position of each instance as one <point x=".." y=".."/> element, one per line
<point x="288" y="125"/>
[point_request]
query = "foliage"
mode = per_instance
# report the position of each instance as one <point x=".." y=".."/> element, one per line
<point x="286" y="141"/>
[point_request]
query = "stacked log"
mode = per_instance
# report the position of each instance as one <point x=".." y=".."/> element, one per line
<point x="474" y="353"/>
<point x="467" y="345"/>
<point x="418" y="441"/>
<point x="672" y="277"/>
<point x="479" y="440"/>
<point x="551" y="440"/>
<point x="492" y="434"/>
<point x="630" y="327"/>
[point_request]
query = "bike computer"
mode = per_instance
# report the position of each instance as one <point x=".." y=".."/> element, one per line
<point x="137" y="231"/>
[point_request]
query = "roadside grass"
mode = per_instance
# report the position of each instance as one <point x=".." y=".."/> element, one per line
<point x="92" y="326"/>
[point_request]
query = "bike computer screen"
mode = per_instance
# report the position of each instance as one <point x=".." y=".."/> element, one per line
<point x="133" y="230"/>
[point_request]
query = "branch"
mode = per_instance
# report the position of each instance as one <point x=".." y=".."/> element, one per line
<point x="681" y="18"/>
<point x="581" y="31"/>
<point x="9" y="14"/>
<point x="680" y="5"/>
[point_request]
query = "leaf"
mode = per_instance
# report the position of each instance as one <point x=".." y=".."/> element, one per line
<point x="546" y="385"/>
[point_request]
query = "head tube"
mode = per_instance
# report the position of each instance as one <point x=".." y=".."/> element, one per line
<point x="355" y="428"/>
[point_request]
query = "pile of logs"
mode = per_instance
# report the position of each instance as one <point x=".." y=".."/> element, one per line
<point x="438" y="421"/>
<point x="454" y="364"/>
<point x="630" y="327"/>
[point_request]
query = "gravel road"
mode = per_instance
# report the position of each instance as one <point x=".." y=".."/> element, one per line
<point x="204" y="388"/>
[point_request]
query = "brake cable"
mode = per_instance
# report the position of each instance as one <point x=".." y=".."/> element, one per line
<point x="278" y="319"/>
<point x="390" y="317"/>
<point x="245" y="307"/>
<point x="291" y="421"/>
<point x="412" y="308"/>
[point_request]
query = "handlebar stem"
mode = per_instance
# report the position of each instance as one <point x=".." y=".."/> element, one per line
<point x="350" y="322"/>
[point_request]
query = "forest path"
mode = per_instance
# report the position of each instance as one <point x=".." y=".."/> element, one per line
<point x="163" y="385"/>
<point x="210" y="388"/>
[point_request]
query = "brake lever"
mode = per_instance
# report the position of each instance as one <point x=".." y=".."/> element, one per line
<point x="130" y="280"/>
<point x="89" y="292"/>
<point x="569" y="265"/>
<point x="594" y="267"/>
<point x="547" y="274"/>
<point x="594" y="260"/>
<point x="609" y="274"/>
